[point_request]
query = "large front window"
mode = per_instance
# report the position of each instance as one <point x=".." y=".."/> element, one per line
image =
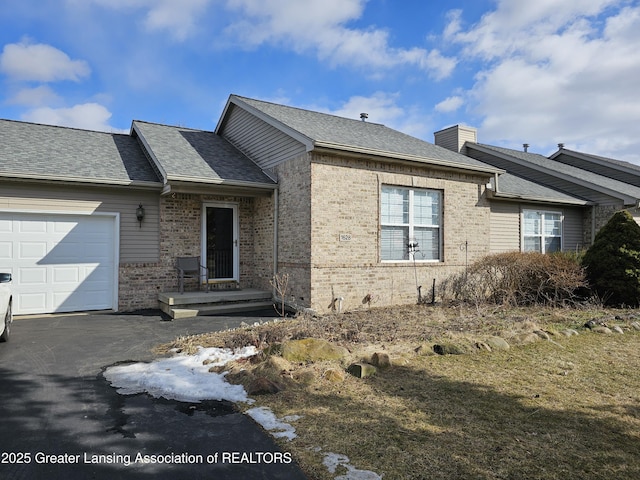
<point x="542" y="231"/>
<point x="410" y="216"/>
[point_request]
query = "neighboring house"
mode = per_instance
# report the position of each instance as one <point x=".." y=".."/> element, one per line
<point x="353" y="212"/>
<point x="549" y="204"/>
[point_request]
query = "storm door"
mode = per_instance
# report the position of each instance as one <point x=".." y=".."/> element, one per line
<point x="220" y="240"/>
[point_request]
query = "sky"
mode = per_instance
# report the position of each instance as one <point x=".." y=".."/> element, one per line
<point x="187" y="378"/>
<point x="542" y="73"/>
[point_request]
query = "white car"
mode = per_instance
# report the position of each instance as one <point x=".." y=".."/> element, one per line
<point x="6" y="300"/>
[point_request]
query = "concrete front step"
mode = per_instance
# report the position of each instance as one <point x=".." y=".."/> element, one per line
<point x="219" y="309"/>
<point x="190" y="304"/>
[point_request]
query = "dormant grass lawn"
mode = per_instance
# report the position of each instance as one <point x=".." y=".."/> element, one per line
<point x="564" y="408"/>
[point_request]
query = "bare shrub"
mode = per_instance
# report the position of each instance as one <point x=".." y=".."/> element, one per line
<point x="518" y="279"/>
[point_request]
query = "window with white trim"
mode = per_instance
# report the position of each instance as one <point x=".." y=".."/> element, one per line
<point x="541" y="231"/>
<point x="410" y="215"/>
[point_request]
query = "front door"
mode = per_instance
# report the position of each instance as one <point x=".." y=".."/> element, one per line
<point x="220" y="241"/>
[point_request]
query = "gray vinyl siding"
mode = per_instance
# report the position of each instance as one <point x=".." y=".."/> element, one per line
<point x="600" y="169"/>
<point x="454" y="138"/>
<point x="546" y="179"/>
<point x="572" y="238"/>
<point x="137" y="243"/>
<point x="261" y="142"/>
<point x="506" y="226"/>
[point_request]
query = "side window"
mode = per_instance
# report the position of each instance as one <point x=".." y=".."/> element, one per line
<point x="541" y="231"/>
<point x="410" y="216"/>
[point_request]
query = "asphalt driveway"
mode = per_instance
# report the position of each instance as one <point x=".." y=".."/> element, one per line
<point x="59" y="418"/>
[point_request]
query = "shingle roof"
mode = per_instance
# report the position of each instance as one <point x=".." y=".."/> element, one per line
<point x="29" y="150"/>
<point x="197" y="155"/>
<point x="612" y="161"/>
<point x="518" y="187"/>
<point x="327" y="130"/>
<point x="568" y="171"/>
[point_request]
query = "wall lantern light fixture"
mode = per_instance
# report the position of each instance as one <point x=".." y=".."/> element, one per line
<point x="140" y="214"/>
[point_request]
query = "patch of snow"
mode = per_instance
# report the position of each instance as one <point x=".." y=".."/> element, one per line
<point x="182" y="377"/>
<point x="277" y="427"/>
<point x="333" y="460"/>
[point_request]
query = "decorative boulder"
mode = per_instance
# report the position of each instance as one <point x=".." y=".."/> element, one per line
<point x="601" y="329"/>
<point x="334" y="375"/>
<point x="449" y="349"/>
<point x="380" y="360"/>
<point x="497" y="343"/>
<point x="312" y="350"/>
<point x="362" y="370"/>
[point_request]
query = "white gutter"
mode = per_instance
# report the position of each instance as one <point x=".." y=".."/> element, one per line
<point x="26" y="177"/>
<point x="513" y="196"/>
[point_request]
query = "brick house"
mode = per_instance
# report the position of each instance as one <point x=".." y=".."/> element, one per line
<point x="332" y="202"/>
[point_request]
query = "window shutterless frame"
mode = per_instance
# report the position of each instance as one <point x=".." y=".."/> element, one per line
<point x="541" y="231"/>
<point x="410" y="215"/>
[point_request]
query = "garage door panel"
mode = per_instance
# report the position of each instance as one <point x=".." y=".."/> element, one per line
<point x="32" y="226"/>
<point x="66" y="274"/>
<point x="32" y="250"/>
<point x="62" y="262"/>
<point x="31" y="302"/>
<point x="6" y="251"/>
<point x="32" y="276"/>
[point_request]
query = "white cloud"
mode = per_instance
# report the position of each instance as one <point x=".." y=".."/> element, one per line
<point x="556" y="72"/>
<point x="90" y="116"/>
<point x="450" y="104"/>
<point x="40" y="62"/>
<point x="34" y="97"/>
<point x="179" y="18"/>
<point x="321" y="26"/>
<point x="382" y="107"/>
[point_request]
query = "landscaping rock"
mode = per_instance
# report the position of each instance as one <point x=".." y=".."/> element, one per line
<point x="380" y="360"/>
<point x="449" y="349"/>
<point x="497" y="343"/>
<point x="262" y="386"/>
<point x="601" y="329"/>
<point x="525" y="338"/>
<point x="617" y="329"/>
<point x="312" y="350"/>
<point x="569" y="332"/>
<point x="334" y="375"/>
<point x="542" y="334"/>
<point x="362" y="370"/>
<point x="636" y="326"/>
<point x="483" y="347"/>
<point x="424" y="350"/>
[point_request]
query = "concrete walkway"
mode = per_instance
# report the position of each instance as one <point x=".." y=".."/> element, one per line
<point x="59" y="418"/>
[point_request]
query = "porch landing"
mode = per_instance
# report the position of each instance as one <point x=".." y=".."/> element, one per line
<point x="192" y="304"/>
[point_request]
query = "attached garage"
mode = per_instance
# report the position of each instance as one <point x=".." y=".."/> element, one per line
<point x="60" y="262"/>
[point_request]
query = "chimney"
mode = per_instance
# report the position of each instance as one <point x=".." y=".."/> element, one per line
<point x="525" y="146"/>
<point x="561" y="146"/>
<point x="364" y="116"/>
<point x="454" y="138"/>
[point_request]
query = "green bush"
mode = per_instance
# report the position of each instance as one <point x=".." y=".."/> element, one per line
<point x="612" y="263"/>
<point x="516" y="279"/>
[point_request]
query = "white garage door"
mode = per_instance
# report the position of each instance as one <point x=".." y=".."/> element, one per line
<point x="60" y="263"/>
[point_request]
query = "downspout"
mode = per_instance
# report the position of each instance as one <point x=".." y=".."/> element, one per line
<point x="593" y="224"/>
<point x="275" y="239"/>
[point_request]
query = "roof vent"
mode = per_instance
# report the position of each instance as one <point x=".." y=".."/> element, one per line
<point x="364" y="116"/>
<point x="525" y="146"/>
